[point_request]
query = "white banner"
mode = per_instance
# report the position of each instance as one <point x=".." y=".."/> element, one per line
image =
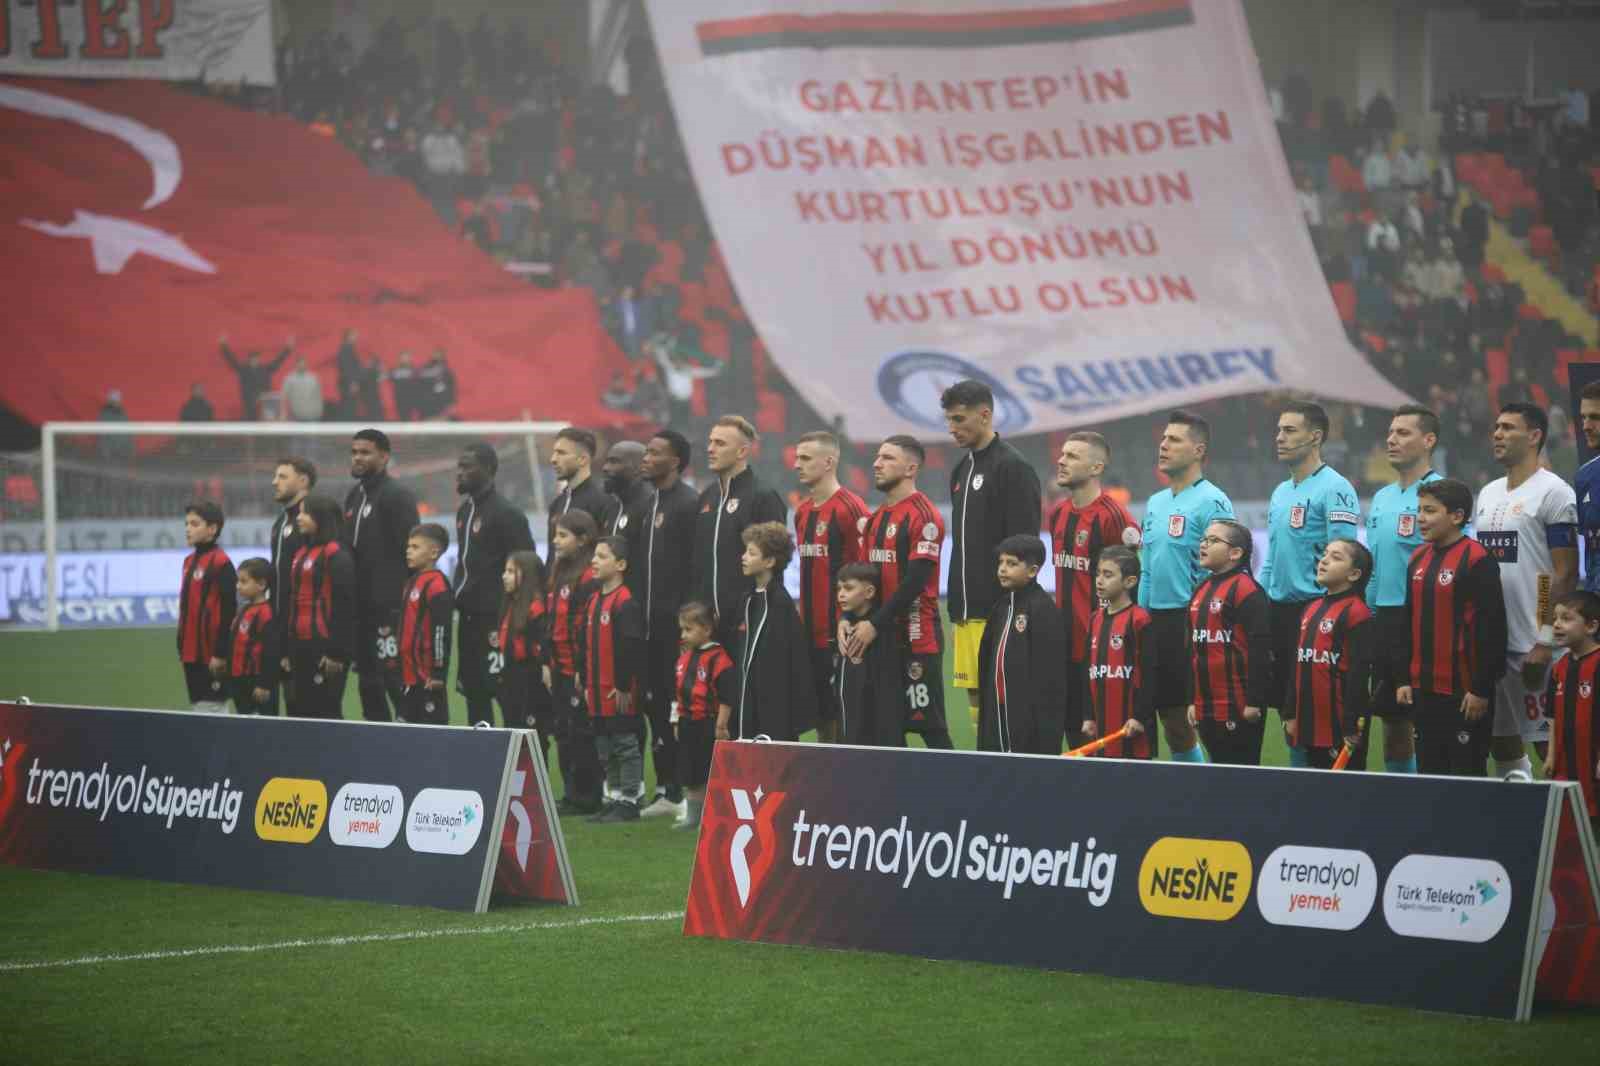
<point x="1083" y="204"/>
<point x="214" y="40"/>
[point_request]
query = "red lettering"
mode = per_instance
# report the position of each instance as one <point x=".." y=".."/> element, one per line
<point x="103" y="34"/>
<point x="49" y="45"/>
<point x="154" y="16"/>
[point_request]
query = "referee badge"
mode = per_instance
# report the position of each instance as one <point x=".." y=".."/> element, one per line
<point x="1175" y="525"/>
<point x="1406" y="525"/>
<point x="1021" y="623"/>
<point x="1297" y="517"/>
<point x="914" y="671"/>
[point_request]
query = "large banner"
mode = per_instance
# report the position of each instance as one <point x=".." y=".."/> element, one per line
<point x="389" y="813"/>
<point x="1391" y="889"/>
<point x="1083" y="204"/>
<point x="175" y="40"/>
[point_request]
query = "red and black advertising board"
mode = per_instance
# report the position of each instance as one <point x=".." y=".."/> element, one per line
<point x="408" y="814"/>
<point x="1439" y="893"/>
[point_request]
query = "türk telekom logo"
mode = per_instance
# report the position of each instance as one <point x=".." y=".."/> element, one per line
<point x="756" y="812"/>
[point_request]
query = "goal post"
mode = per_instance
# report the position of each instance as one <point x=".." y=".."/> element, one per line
<point x="123" y="485"/>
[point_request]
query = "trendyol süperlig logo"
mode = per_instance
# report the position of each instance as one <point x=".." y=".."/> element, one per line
<point x="756" y="810"/>
<point x="910" y="384"/>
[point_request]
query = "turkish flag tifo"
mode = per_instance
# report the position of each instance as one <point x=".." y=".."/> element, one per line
<point x="141" y="222"/>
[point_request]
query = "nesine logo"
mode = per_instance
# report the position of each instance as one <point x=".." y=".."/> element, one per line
<point x="1320" y="888"/>
<point x="1184" y="877"/>
<point x="291" y="810"/>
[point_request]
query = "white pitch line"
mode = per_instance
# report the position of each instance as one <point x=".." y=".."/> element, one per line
<point x="334" y="941"/>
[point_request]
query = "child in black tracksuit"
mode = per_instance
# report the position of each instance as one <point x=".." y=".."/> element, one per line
<point x="253" y="656"/>
<point x="868" y="690"/>
<point x="1022" y="665"/>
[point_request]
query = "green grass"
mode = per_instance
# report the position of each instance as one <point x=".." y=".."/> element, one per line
<point x="618" y="992"/>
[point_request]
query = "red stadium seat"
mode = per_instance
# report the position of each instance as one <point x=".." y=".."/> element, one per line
<point x="1493" y="275"/>
<point x="1497" y="365"/>
<point x="1345" y="177"/>
<point x="21" y="488"/>
<point x="1542" y="242"/>
<point x="772" y="413"/>
<point x="1529" y="312"/>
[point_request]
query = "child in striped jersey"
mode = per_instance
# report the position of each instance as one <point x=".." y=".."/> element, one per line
<point x="1575" y="733"/>
<point x="704" y="688"/>
<point x="1121" y="660"/>
<point x="1330" y="689"/>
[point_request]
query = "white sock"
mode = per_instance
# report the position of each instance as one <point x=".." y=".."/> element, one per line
<point x="1524" y="764"/>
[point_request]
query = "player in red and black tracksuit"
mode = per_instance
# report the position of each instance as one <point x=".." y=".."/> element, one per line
<point x="827" y="536"/>
<point x="379" y="514"/>
<point x="1022" y="677"/>
<point x="1080" y="526"/>
<point x="660" y="557"/>
<point x="488" y="528"/>
<point x="1121" y="660"/>
<point x="524" y="644"/>
<point x="1574" y="683"/>
<point x="613" y="663"/>
<point x="253" y="657"/>
<point x="705" y="687"/>
<point x="322" y="613"/>
<point x="206" y="604"/>
<point x="1455" y="644"/>
<point x="903" y="539"/>
<point x="425" y="609"/>
<point x="868" y="688"/>
<point x="1230" y="646"/>
<point x="1329" y="698"/>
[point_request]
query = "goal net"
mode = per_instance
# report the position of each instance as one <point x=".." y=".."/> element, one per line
<point x="93" y="522"/>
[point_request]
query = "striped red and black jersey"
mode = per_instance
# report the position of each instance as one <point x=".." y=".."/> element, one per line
<point x="1574" y="737"/>
<point x="706" y="680"/>
<point x="565" y="607"/>
<point x="826" y="537"/>
<point x="1121" y="668"/>
<point x="426" y="605"/>
<point x="1332" y="683"/>
<point x="613" y="650"/>
<point x="1077" y="534"/>
<point x="528" y="644"/>
<point x="896" y="536"/>
<point x="1229" y="637"/>
<point x="254" y="655"/>
<point x="1457" y="612"/>
<point x="206" y="605"/>
<point x="322" y="600"/>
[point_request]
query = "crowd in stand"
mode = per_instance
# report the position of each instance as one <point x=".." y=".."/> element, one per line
<point x="574" y="184"/>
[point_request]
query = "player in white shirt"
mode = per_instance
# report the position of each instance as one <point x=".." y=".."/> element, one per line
<point x="1528" y="520"/>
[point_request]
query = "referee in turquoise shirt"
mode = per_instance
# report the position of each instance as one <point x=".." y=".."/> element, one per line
<point x="1392" y="537"/>
<point x="1174" y="521"/>
<point x="1314" y="505"/>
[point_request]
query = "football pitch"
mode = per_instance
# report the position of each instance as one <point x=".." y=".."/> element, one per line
<point x="107" y="970"/>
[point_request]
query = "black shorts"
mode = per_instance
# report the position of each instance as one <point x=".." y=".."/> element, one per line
<point x="1168" y="636"/>
<point x="420" y="705"/>
<point x="696" y="739"/>
<point x="1079" y="709"/>
<point x="1283" y="641"/>
<point x="244" y="698"/>
<point x="203" y="688"/>
<point x="924" y="693"/>
<point x="822" y="681"/>
<point x="377" y="641"/>
<point x="1393" y="637"/>
<point x="476" y="635"/>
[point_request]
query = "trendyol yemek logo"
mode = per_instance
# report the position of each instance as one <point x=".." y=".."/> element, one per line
<point x="756" y="811"/>
<point x="910" y="383"/>
<point x="366" y="816"/>
<point x="1319" y="888"/>
<point x="1444" y="897"/>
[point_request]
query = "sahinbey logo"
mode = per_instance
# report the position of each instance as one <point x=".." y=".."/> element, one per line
<point x="1184" y="877"/>
<point x="1442" y="897"/>
<point x="756" y="811"/>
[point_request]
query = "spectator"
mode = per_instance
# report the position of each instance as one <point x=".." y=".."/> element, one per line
<point x="197" y="408"/>
<point x="618" y="396"/>
<point x="119" y="446"/>
<point x="1376" y="172"/>
<point x="255" y="377"/>
<point x="1383" y="247"/>
<point x="403" y="389"/>
<point x="436" y="387"/>
<point x="1411" y="167"/>
<point x="444" y="161"/>
<point x="347" y="360"/>
<point x="1474" y="233"/>
<point x="1310" y="202"/>
<point x="302" y="393"/>
<point x="369" y="397"/>
<point x="1380" y="117"/>
<point x="1415" y="224"/>
<point x="631" y="320"/>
